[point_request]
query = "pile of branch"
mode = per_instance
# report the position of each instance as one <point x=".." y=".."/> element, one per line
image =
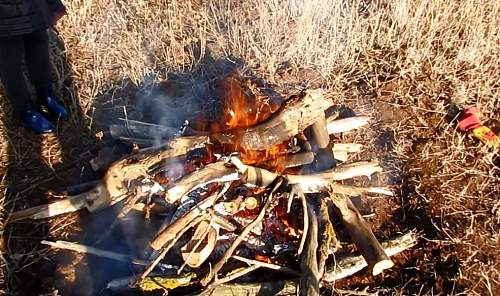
<point x="234" y="217"/>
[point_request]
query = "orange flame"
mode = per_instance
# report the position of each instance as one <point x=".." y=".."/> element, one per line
<point x="241" y="109"/>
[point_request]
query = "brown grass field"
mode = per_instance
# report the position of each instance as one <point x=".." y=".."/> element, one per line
<point x="403" y="62"/>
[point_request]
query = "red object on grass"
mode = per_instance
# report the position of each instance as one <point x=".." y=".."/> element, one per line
<point x="470" y="119"/>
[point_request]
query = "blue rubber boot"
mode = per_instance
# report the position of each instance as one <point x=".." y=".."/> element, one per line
<point x="56" y="109"/>
<point x="49" y="102"/>
<point x="35" y="121"/>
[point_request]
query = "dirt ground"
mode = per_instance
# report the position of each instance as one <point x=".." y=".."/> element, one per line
<point x="404" y="64"/>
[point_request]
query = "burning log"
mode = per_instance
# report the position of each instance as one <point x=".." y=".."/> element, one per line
<point x="295" y="116"/>
<point x="361" y="234"/>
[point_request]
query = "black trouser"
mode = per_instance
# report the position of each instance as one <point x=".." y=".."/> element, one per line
<point x="34" y="47"/>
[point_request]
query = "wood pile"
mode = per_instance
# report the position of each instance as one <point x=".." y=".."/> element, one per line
<point x="249" y="192"/>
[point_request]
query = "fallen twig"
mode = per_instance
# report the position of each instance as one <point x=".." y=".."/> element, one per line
<point x="230" y="277"/>
<point x="165" y="235"/>
<point x="79" y="248"/>
<point x="267" y="265"/>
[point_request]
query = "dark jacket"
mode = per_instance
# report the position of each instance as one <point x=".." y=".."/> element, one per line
<point x="19" y="17"/>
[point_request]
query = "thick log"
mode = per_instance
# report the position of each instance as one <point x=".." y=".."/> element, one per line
<point x="135" y="166"/>
<point x="113" y="187"/>
<point x="348" y="265"/>
<point x="298" y="159"/>
<point x="362" y="235"/>
<point x="319" y="133"/>
<point x="293" y="118"/>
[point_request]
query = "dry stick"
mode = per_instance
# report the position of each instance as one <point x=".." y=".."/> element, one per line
<point x="305" y="216"/>
<point x="343" y="172"/>
<point x="165" y="235"/>
<point x="297" y="191"/>
<point x="211" y="173"/>
<point x="165" y="250"/>
<point x="267" y="265"/>
<point x="318" y="182"/>
<point x="341" y="150"/>
<point x="335" y="126"/>
<point x="79" y="248"/>
<point x="229" y="252"/>
<point x="240" y="273"/>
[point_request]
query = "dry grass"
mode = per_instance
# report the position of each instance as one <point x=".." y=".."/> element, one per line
<point x="407" y="59"/>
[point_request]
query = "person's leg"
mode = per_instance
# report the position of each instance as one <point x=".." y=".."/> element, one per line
<point x="11" y="73"/>
<point x="16" y="87"/>
<point x="36" y="46"/>
<point x="39" y="68"/>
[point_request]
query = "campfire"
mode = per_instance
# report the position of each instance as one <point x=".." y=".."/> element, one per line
<point x="261" y="186"/>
